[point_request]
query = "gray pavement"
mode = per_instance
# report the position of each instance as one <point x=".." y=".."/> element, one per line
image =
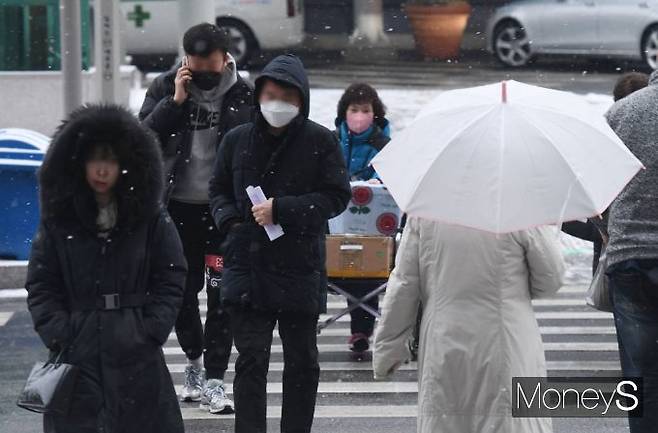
<point x="579" y="341"/>
<point x="580" y="76"/>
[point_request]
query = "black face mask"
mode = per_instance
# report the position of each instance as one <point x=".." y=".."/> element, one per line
<point x="206" y="80"/>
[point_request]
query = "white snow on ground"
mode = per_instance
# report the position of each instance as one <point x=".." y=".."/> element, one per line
<point x="403" y="105"/>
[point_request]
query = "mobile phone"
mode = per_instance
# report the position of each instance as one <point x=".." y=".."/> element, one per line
<point x="186" y="63"/>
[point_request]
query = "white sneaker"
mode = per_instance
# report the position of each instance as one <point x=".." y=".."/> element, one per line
<point x="214" y="399"/>
<point x="193" y="386"/>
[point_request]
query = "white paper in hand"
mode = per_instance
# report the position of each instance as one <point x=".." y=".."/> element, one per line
<point x="257" y="197"/>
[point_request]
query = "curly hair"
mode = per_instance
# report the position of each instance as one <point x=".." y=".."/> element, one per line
<point x="362" y="93"/>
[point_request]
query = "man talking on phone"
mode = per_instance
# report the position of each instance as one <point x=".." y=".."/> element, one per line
<point x="190" y="108"/>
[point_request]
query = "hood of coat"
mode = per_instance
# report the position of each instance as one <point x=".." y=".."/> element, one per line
<point x="288" y="69"/>
<point x="63" y="189"/>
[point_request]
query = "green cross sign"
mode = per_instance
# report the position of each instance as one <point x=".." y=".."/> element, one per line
<point x="139" y="15"/>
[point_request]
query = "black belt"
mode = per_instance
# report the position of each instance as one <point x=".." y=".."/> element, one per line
<point x="113" y="301"/>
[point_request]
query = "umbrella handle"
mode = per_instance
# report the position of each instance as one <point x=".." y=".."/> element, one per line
<point x="504" y="92"/>
<point x="565" y="204"/>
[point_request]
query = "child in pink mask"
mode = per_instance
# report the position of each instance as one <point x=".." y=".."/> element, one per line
<point x="363" y="131"/>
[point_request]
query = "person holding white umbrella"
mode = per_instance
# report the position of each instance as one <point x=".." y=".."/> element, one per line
<point x="492" y="167"/>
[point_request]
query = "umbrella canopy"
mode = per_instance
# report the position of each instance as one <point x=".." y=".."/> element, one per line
<point x="506" y="157"/>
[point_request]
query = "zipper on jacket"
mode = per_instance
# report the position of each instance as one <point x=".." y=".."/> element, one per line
<point x="101" y="267"/>
<point x="350" y="147"/>
<point x="99" y="325"/>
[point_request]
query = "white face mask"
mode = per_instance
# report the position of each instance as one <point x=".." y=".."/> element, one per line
<point x="278" y="113"/>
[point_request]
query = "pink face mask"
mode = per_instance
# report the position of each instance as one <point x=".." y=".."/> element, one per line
<point x="359" y="122"/>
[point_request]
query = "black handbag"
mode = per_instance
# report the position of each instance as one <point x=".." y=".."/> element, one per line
<point x="49" y="387"/>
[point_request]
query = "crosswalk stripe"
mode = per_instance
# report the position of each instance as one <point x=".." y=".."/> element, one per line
<point x="413" y="366"/>
<point x="539" y="315"/>
<point x="343" y="387"/>
<point x="584" y="366"/>
<point x="324" y="366"/>
<point x="581" y="347"/>
<point x="577" y="330"/>
<point x="548" y="347"/>
<point x="338" y="306"/>
<point x="559" y="302"/>
<point x="321" y="412"/>
<point x="337" y="301"/>
<point x="545" y="330"/>
<point x="328" y="332"/>
<point x="203" y="296"/>
<point x="5" y="317"/>
<point x="570" y="315"/>
<point x="13" y="293"/>
<point x="331" y="298"/>
<point x="276" y="348"/>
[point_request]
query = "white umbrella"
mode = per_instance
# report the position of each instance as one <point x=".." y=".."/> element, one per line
<point x="506" y="157"/>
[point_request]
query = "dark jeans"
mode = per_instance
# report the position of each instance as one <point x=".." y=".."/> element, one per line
<point x="301" y="371"/>
<point x="199" y="236"/>
<point x="635" y="299"/>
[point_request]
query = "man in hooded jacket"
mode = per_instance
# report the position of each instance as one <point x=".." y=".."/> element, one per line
<point x="300" y="167"/>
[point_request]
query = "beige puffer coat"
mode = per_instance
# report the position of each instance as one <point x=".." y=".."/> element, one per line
<point x="478" y="327"/>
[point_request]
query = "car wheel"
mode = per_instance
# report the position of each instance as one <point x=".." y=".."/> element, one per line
<point x="243" y="42"/>
<point x="650" y="47"/>
<point x="512" y="47"/>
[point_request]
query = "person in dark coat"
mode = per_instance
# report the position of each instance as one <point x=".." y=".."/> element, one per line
<point x="106" y="273"/>
<point x="591" y="230"/>
<point x="300" y="168"/>
<point x="363" y="131"/>
<point x="191" y="108"/>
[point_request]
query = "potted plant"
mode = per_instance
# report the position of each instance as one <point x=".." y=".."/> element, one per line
<point x="438" y="26"/>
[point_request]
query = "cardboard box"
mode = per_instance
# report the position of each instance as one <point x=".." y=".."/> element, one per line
<point x="359" y="256"/>
<point x="371" y="212"/>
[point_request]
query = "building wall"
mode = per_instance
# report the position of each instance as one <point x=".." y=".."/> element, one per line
<point x="37" y="100"/>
